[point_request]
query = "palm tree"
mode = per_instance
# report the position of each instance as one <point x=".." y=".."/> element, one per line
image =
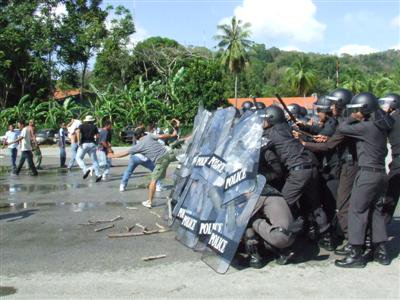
<point x="234" y="41"/>
<point x="300" y="76"/>
<point x="353" y="80"/>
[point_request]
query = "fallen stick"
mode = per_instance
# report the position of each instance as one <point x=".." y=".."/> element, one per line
<point x="104" y="228"/>
<point x="156" y="214"/>
<point x="154" y="257"/>
<point x="94" y="222"/>
<point x="131" y="234"/>
<point x="131" y="207"/>
<point x="160" y="226"/>
<point x="141" y="226"/>
<point x="129" y="228"/>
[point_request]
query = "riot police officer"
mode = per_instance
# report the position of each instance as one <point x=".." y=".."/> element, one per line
<point x="302" y="180"/>
<point x="391" y="104"/>
<point x="369" y="126"/>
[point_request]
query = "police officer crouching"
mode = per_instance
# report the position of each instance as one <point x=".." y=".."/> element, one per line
<point x="369" y="126"/>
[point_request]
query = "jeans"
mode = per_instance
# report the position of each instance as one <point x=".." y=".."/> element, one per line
<point x="104" y="162"/>
<point x="74" y="150"/>
<point x="88" y="148"/>
<point x="13" y="155"/>
<point x="63" y="156"/>
<point x="26" y="155"/>
<point x="135" y="161"/>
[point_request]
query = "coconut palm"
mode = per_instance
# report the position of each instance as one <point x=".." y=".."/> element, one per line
<point x="300" y="76"/>
<point x="354" y="80"/>
<point x="234" y="42"/>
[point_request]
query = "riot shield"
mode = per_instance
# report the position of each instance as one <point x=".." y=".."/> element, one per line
<point x="229" y="172"/>
<point x="216" y="132"/>
<point x="184" y="170"/>
<point x="233" y="219"/>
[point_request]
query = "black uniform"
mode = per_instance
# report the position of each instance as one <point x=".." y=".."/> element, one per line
<point x="370" y="181"/>
<point x="345" y="149"/>
<point x="393" y="191"/>
<point x="302" y="172"/>
<point x="329" y="166"/>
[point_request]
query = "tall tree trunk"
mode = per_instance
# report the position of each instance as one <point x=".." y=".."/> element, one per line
<point x="83" y="79"/>
<point x="236" y="89"/>
<point x="50" y="74"/>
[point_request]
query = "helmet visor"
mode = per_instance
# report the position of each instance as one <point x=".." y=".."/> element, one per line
<point x="385" y="103"/>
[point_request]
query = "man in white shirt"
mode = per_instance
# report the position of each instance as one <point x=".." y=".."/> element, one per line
<point x="11" y="135"/>
<point x="25" y="140"/>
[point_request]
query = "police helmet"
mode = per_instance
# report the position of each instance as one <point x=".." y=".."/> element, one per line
<point x="392" y="100"/>
<point x="366" y="103"/>
<point x="274" y="115"/>
<point x="259" y="105"/>
<point x="303" y="111"/>
<point x="323" y="104"/>
<point x="247" y="105"/>
<point x="341" y="97"/>
<point x="294" y="109"/>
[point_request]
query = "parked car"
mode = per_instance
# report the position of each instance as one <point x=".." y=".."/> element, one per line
<point x="46" y="136"/>
<point x="126" y="134"/>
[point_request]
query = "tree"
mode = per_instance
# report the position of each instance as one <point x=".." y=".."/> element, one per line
<point x="301" y="76"/>
<point x="234" y="42"/>
<point x="354" y="80"/>
<point x="81" y="33"/>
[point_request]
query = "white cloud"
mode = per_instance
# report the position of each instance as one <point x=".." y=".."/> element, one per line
<point x="290" y="20"/>
<point x="395" y="22"/>
<point x="290" y="48"/>
<point x="354" y="49"/>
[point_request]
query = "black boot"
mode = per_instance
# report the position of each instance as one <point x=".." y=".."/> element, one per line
<point x="326" y="241"/>
<point x="380" y="254"/>
<point x="354" y="259"/>
<point x="312" y="231"/>
<point x="343" y="250"/>
<point x="252" y="250"/>
<point x="282" y="256"/>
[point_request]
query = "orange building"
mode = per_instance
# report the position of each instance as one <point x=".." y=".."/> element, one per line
<point x="307" y="102"/>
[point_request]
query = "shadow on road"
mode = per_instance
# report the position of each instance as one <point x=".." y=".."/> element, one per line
<point x="15" y="216"/>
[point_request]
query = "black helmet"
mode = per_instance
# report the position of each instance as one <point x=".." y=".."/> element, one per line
<point x="303" y="111"/>
<point x="366" y="103"/>
<point x="392" y="99"/>
<point x="274" y="115"/>
<point x="294" y="109"/>
<point x="341" y="96"/>
<point x="247" y="105"/>
<point x="323" y="104"/>
<point x="259" y="105"/>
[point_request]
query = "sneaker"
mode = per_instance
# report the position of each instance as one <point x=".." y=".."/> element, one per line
<point x="104" y="177"/>
<point x="159" y="187"/>
<point x="122" y="188"/>
<point x="146" y="204"/>
<point x="98" y="178"/>
<point x="86" y="174"/>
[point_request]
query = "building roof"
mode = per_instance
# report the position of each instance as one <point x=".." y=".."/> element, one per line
<point x="307" y="102"/>
<point x="60" y="95"/>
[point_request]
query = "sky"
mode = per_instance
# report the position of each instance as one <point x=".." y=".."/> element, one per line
<point x="323" y="26"/>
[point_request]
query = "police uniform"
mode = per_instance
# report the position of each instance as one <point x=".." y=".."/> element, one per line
<point x="345" y="149"/>
<point x="302" y="179"/>
<point x="393" y="191"/>
<point x="370" y="180"/>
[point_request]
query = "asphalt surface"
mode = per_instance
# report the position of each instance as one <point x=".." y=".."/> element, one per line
<point x="46" y="251"/>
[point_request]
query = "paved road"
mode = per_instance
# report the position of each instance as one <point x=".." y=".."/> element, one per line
<point x="46" y="253"/>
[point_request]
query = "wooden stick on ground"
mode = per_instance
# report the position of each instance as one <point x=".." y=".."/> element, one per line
<point x="156" y="214"/>
<point x="129" y="228"/>
<point x="126" y="234"/>
<point x="131" y="207"/>
<point x="147" y="258"/>
<point x="104" y="228"/>
<point x="94" y="222"/>
<point x="141" y="226"/>
<point x="160" y="226"/>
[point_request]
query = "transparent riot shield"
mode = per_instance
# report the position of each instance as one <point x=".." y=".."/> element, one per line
<point x="233" y="219"/>
<point x="216" y="132"/>
<point x="230" y="172"/>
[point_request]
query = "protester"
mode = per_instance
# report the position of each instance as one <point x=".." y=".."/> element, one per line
<point x="105" y="148"/>
<point x="25" y="140"/>
<point x="62" y="133"/>
<point x="72" y="127"/>
<point x="87" y="134"/>
<point x="11" y="136"/>
<point x="35" y="146"/>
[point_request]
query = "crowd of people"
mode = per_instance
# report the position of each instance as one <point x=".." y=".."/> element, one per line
<point x="326" y="177"/>
<point x="326" y="173"/>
